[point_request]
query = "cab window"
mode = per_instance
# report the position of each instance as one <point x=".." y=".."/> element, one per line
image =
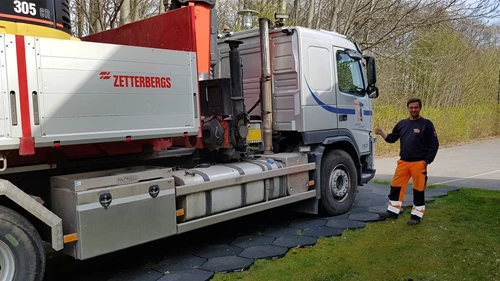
<point x="349" y="75"/>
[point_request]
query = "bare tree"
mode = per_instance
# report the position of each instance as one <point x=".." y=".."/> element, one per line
<point x="91" y="16"/>
<point x="125" y="12"/>
<point x="318" y="18"/>
<point x="282" y="6"/>
<point x="310" y="13"/>
<point x="296" y="8"/>
<point x="335" y="8"/>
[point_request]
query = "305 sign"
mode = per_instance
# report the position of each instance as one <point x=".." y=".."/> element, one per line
<point x="23" y="7"/>
<point x="39" y="9"/>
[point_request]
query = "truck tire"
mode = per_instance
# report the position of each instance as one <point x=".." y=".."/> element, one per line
<point x="22" y="255"/>
<point x="338" y="182"/>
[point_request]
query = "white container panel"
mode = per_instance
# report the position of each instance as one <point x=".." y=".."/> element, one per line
<point x="92" y="92"/>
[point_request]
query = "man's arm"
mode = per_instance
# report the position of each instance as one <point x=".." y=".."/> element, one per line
<point x="434" y="144"/>
<point x="390" y="138"/>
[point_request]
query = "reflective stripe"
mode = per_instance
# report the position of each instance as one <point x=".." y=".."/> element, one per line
<point x="418" y="211"/>
<point x="396" y="203"/>
<point x="395" y="206"/>
<point x="393" y="209"/>
<point x="419" y="208"/>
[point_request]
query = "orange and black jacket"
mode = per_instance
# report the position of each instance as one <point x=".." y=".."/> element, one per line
<point x="418" y="140"/>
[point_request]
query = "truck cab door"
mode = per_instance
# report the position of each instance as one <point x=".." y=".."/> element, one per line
<point x="354" y="105"/>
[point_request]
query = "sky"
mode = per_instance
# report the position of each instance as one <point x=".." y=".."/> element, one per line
<point x="491" y="21"/>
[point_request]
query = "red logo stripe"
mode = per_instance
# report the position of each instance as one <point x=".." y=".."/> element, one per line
<point x="27" y="146"/>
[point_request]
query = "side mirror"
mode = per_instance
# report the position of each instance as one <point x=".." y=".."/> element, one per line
<point x="371" y="76"/>
<point x="372" y="92"/>
<point x="371" y="72"/>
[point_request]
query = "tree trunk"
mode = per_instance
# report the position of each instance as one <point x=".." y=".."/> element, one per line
<point x="296" y="6"/>
<point x="91" y="17"/>
<point x="310" y="14"/>
<point x="96" y="16"/>
<point x="282" y="6"/>
<point x="335" y="15"/>
<point x="161" y="8"/>
<point x="134" y="10"/>
<point x="80" y="17"/>
<point x="125" y="12"/>
<point x="318" y="14"/>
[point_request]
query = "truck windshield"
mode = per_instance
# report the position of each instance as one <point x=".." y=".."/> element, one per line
<point x="349" y="75"/>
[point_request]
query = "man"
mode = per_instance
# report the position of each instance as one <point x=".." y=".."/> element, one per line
<point x="418" y="148"/>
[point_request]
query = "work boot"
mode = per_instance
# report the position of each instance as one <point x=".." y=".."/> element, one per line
<point x="388" y="215"/>
<point x="413" y="222"/>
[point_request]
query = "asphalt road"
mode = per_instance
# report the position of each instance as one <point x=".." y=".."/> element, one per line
<point x="475" y="165"/>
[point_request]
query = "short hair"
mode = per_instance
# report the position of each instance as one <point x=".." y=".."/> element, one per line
<point x="414" y="100"/>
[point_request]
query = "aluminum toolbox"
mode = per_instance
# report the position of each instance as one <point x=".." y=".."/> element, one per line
<point x="107" y="219"/>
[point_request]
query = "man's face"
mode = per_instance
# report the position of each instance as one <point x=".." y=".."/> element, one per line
<point x="414" y="109"/>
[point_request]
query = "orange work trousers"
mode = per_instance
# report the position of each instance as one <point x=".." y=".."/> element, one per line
<point x="404" y="171"/>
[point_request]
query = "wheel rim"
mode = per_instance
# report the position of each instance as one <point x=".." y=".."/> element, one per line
<point x="7" y="263"/>
<point x="339" y="183"/>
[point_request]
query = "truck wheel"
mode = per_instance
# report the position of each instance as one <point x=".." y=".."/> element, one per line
<point x="338" y="182"/>
<point x="22" y="255"/>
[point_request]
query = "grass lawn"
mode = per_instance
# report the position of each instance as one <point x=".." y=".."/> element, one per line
<point x="458" y="239"/>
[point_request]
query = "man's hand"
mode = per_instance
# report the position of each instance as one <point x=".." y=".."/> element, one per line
<point x="379" y="131"/>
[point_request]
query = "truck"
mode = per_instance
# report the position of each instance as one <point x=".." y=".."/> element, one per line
<point x="167" y="125"/>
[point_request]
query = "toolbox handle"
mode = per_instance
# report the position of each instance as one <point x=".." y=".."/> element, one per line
<point x="154" y="190"/>
<point x="105" y="200"/>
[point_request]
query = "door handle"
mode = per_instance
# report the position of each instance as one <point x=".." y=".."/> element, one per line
<point x="343" y="117"/>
